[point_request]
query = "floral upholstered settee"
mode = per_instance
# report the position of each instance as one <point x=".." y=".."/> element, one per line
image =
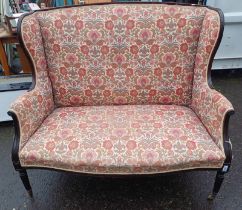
<point x="122" y="89"/>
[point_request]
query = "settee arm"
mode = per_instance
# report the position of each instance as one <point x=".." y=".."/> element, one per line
<point x="214" y="110"/>
<point x="29" y="111"/>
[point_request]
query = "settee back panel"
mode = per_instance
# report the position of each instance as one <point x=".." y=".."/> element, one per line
<point x="121" y="53"/>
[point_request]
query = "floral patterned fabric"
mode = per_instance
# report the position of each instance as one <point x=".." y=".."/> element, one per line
<point x="122" y="139"/>
<point x="209" y="105"/>
<point x="121" y="54"/>
<point x="34" y="106"/>
<point x="150" y="54"/>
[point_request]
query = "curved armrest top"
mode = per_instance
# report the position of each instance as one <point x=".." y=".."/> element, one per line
<point x="213" y="108"/>
<point x="31" y="109"/>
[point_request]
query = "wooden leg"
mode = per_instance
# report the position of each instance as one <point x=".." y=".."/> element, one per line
<point x="218" y="182"/>
<point x="25" y="179"/>
<point x="4" y="59"/>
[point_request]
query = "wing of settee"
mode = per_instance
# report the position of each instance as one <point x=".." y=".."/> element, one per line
<point x="30" y="109"/>
<point x="211" y="107"/>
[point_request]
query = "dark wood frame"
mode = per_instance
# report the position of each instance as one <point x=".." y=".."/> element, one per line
<point x="227" y="144"/>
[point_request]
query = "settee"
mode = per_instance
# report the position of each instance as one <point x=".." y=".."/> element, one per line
<point x="122" y="89"/>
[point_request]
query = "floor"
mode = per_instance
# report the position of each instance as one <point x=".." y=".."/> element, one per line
<point x="187" y="190"/>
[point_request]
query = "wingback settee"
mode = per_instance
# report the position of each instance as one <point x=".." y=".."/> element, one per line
<point x="122" y="89"/>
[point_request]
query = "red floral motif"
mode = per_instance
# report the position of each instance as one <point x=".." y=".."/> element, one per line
<point x="75" y="99"/>
<point x="129" y="72"/>
<point x="195" y="32"/>
<point x="40" y="99"/>
<point x="85" y="49"/>
<point x="46" y="33"/>
<point x="145" y="35"/>
<point x="104" y="50"/>
<point x="143" y="81"/>
<point x="96" y="82"/>
<point x="134" y="93"/>
<point x="184" y="47"/>
<point x="150" y="157"/>
<point x="131" y="145"/>
<point x="79" y="24"/>
<point x="182" y="22"/>
<point x="83" y="125"/>
<point x="191" y="145"/>
<point x="179" y="113"/>
<point x="171" y="10"/>
<point x="50" y="146"/>
<point x="166" y="144"/>
<point x="165" y="100"/>
<point x="73" y="145"/>
<point x="82" y="72"/>
<point x="168" y="58"/>
<point x="177" y="71"/>
<point x="27" y="103"/>
<point x="107" y="93"/>
<point x="56" y="48"/>
<point x="209" y="48"/>
<point x="58" y="24"/>
<point x="94" y="35"/>
<point x="110" y="72"/>
<point x="88" y="92"/>
<point x="120" y="100"/>
<point x="154" y="49"/>
<point x="109" y="25"/>
<point x="107" y="144"/>
<point x="160" y="23"/>
<point x="119" y="11"/>
<point x="152" y="92"/>
<point x="130" y="24"/>
<point x="134" y="49"/>
<point x="89" y="155"/>
<point x="179" y="91"/>
<point x="34" y="29"/>
<point x="62" y="91"/>
<point x="71" y="58"/>
<point x="119" y="59"/>
<point x="158" y="72"/>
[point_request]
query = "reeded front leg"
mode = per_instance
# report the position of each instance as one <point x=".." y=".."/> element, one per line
<point x="217" y="185"/>
<point x="225" y="169"/>
<point x="25" y="179"/>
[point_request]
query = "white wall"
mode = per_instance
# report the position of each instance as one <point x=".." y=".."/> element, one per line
<point x="6" y="98"/>
<point x="229" y="55"/>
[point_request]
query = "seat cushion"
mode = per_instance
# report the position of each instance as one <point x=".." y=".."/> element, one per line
<point x="125" y="139"/>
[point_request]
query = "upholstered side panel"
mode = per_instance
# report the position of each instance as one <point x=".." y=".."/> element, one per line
<point x="121" y="53"/>
<point x="34" y="106"/>
<point x="210" y="105"/>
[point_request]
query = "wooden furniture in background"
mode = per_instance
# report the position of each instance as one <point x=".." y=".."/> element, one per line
<point x="10" y="37"/>
<point x="96" y="1"/>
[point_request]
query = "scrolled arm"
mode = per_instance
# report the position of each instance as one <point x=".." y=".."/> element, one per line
<point x="214" y="110"/>
<point x="30" y="110"/>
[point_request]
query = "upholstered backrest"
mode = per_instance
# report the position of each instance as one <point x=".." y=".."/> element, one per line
<point x="119" y="53"/>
